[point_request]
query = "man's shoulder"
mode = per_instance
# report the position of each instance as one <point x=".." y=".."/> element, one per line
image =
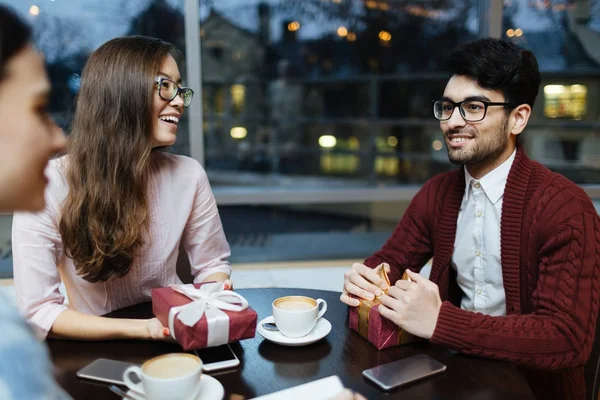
<point x="556" y="189"/>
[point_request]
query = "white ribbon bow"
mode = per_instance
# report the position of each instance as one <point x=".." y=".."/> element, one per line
<point x="209" y="299"/>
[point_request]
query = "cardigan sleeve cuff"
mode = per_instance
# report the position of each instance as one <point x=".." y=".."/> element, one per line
<point x="452" y="327"/>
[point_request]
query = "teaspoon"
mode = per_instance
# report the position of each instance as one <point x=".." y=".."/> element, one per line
<point x="270" y="326"/>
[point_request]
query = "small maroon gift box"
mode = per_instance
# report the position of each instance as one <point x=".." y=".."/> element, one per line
<point x="379" y="331"/>
<point x="242" y="324"/>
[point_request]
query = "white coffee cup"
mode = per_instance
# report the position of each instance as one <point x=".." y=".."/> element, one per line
<point x="167" y="377"/>
<point x="296" y="316"/>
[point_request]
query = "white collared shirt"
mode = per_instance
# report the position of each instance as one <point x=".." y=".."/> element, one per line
<point x="476" y="255"/>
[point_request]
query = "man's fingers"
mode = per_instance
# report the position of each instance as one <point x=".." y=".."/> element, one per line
<point x="357" y="291"/>
<point x="371" y="275"/>
<point x="387" y="267"/>
<point x="351" y="301"/>
<point x="390" y="302"/>
<point x="404" y="285"/>
<point x="364" y="284"/>
<point x="416" y="277"/>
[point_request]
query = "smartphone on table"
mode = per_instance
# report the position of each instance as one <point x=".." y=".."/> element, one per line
<point x="217" y="358"/>
<point x="406" y="370"/>
<point x="105" y="370"/>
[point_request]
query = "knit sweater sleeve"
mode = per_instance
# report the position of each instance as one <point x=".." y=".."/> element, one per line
<point x="410" y="246"/>
<point x="559" y="331"/>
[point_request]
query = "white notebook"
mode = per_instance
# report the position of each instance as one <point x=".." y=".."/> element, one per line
<point x="322" y="389"/>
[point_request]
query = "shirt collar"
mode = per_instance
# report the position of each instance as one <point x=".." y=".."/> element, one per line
<point x="493" y="182"/>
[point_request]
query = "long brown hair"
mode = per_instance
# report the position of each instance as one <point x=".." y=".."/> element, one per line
<point x="109" y="157"/>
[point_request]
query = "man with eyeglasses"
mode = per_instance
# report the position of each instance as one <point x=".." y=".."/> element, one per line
<point x="515" y="247"/>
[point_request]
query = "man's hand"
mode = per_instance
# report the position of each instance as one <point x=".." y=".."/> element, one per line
<point x="413" y="306"/>
<point x="362" y="282"/>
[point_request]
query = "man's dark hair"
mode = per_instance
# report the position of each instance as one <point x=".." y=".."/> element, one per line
<point x="14" y="36"/>
<point x="498" y="65"/>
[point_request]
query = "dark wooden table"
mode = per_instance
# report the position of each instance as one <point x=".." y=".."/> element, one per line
<point x="267" y="367"/>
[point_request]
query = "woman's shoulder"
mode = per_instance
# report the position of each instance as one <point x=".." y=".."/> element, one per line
<point x="56" y="174"/>
<point x="179" y="165"/>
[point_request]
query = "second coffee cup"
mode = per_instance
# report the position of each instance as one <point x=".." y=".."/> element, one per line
<point x="296" y="316"/>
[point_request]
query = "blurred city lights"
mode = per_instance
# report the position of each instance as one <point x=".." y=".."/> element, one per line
<point x="371" y="4"/>
<point x="518" y="32"/>
<point x="327" y="141"/>
<point x="437" y="145"/>
<point x="510" y="33"/>
<point x="34" y="10"/>
<point x="554" y="89"/>
<point x="352" y="37"/>
<point x="385" y="36"/>
<point x="238" y="132"/>
<point x="342" y="31"/>
<point x="392" y="141"/>
<point x="293" y="26"/>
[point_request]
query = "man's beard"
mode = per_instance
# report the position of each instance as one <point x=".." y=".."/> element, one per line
<point x="482" y="151"/>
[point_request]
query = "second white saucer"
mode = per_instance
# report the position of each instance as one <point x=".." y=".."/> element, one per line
<point x="321" y="329"/>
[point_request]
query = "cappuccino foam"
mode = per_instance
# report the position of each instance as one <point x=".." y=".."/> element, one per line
<point x="296" y="304"/>
<point x="171" y="366"/>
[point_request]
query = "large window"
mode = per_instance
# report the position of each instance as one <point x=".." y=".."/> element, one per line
<point x="313" y="117"/>
<point x="326" y="88"/>
<point x="325" y="100"/>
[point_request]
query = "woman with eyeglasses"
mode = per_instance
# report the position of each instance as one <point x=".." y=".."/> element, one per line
<point x="118" y="208"/>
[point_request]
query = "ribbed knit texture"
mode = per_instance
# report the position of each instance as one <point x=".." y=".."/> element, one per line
<point x="550" y="253"/>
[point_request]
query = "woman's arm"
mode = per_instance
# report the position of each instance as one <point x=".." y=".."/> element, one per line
<point x="203" y="238"/>
<point x="71" y="324"/>
<point x="220" y="277"/>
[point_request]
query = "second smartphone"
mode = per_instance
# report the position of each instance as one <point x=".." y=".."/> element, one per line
<point x="406" y="370"/>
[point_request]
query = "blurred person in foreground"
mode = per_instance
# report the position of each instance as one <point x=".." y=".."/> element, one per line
<point x="515" y="247"/>
<point x="117" y="206"/>
<point x="28" y="138"/>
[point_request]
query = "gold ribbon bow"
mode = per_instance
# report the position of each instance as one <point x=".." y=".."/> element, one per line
<point x="364" y="308"/>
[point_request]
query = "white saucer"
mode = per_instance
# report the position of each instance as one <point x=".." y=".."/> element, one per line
<point x="321" y="329"/>
<point x="210" y="389"/>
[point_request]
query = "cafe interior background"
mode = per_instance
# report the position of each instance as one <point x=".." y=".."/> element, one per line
<point x="313" y="118"/>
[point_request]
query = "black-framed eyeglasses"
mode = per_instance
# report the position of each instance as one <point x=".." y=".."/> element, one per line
<point x="470" y="110"/>
<point x="168" y="90"/>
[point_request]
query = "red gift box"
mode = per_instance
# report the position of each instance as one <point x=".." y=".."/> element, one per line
<point x="379" y="331"/>
<point x="242" y="324"/>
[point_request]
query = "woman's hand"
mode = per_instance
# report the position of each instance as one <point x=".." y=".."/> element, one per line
<point x="220" y="277"/>
<point x="156" y="331"/>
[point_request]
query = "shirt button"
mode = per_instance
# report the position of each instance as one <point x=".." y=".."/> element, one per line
<point x="477" y="185"/>
<point x="477" y="253"/>
<point x="479" y="213"/>
<point x="478" y="292"/>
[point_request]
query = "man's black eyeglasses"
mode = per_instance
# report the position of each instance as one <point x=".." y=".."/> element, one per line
<point x="470" y="110"/>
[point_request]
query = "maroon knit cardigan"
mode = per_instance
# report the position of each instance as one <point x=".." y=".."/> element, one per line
<point x="550" y="253"/>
